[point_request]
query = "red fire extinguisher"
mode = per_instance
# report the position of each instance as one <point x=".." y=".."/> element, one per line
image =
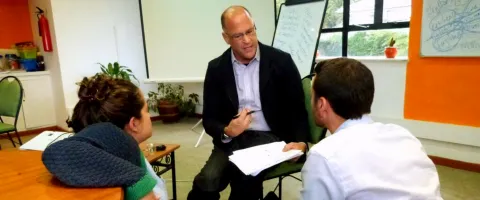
<point x="44" y="30"/>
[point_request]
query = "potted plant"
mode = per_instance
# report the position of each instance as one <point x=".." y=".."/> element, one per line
<point x="391" y="50"/>
<point x="170" y="103"/>
<point x="188" y="105"/>
<point x="115" y="70"/>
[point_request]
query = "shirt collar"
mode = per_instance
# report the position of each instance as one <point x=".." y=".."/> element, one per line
<point x="364" y="120"/>
<point x="257" y="56"/>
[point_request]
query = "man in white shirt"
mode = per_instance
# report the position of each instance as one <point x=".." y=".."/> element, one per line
<point x="362" y="159"/>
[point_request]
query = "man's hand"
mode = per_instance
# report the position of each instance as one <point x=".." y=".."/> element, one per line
<point x="295" y="145"/>
<point x="237" y="126"/>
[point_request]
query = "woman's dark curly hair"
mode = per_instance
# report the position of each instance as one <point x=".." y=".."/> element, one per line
<point x="106" y="99"/>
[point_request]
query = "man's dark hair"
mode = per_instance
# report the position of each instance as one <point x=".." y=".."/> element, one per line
<point x="222" y="17"/>
<point x="347" y="84"/>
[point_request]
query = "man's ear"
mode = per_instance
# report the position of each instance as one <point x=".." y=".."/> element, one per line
<point x="322" y="104"/>
<point x="226" y="38"/>
<point x="318" y="103"/>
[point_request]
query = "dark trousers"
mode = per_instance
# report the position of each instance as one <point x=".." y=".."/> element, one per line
<point x="218" y="172"/>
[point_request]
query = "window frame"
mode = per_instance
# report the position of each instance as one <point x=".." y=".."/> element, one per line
<point x="377" y="24"/>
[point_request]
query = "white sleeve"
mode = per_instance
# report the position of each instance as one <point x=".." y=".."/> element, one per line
<point x="319" y="181"/>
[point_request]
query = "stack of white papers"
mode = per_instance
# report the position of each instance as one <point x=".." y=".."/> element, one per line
<point x="252" y="161"/>
<point x="44" y="139"/>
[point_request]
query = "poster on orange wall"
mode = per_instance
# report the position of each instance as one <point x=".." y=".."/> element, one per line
<point x="442" y="90"/>
<point x="450" y="28"/>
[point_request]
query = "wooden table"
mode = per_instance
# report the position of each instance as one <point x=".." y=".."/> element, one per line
<point x="23" y="176"/>
<point x="165" y="159"/>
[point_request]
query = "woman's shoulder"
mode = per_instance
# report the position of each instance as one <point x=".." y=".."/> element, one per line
<point x="108" y="137"/>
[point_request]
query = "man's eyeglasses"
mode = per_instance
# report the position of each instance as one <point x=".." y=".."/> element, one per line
<point x="240" y="36"/>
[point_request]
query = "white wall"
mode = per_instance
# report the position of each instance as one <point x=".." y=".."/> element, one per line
<point x="51" y="59"/>
<point x="181" y="38"/>
<point x="92" y="31"/>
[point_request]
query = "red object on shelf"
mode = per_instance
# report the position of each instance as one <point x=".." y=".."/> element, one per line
<point x="391" y="52"/>
<point x="44" y="31"/>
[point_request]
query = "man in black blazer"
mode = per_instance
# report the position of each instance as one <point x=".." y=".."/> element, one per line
<point x="249" y="76"/>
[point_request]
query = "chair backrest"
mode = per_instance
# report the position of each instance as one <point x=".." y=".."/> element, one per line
<point x="11" y="96"/>
<point x="316" y="133"/>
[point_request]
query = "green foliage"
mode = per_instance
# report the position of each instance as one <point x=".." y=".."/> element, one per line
<point x="365" y="43"/>
<point x="373" y="43"/>
<point x="332" y="46"/>
<point x="172" y="94"/>
<point x="392" y="42"/>
<point x="115" y="70"/>
<point x="189" y="104"/>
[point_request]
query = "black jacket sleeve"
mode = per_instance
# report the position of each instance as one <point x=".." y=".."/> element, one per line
<point x="296" y="101"/>
<point x="211" y="101"/>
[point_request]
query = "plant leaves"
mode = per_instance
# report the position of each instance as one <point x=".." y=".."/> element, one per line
<point x="135" y="78"/>
<point x="125" y="75"/>
<point x="116" y="68"/>
<point x="110" y="68"/>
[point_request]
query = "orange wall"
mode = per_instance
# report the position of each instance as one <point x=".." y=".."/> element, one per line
<point x="443" y="90"/>
<point x="15" y="23"/>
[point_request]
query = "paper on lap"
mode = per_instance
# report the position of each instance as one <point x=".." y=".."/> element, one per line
<point x="253" y="160"/>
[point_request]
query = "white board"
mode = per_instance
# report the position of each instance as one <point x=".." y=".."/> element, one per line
<point x="182" y="36"/>
<point x="298" y="29"/>
<point x="450" y="28"/>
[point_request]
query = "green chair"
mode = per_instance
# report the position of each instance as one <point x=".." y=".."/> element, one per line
<point x="316" y="134"/>
<point x="11" y="97"/>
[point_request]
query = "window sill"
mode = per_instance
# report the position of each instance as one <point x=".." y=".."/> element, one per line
<point x="368" y="58"/>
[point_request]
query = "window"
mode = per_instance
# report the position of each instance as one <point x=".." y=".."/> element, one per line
<point x="361" y="11"/>
<point x="373" y="42"/>
<point x="371" y="25"/>
<point x="330" y="44"/>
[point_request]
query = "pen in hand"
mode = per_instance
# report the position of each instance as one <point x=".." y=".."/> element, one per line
<point x="238" y="115"/>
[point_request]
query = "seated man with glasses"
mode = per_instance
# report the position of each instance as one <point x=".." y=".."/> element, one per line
<point x="263" y="86"/>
